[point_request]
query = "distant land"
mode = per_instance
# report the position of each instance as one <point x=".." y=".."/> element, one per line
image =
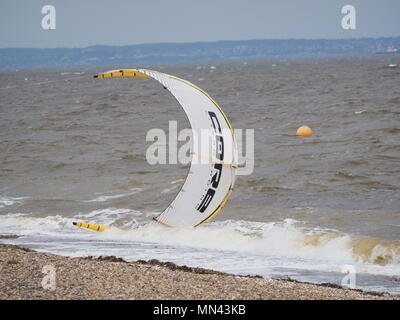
<point x="11" y="58"/>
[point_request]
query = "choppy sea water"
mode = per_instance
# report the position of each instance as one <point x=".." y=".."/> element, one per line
<point x="73" y="148"/>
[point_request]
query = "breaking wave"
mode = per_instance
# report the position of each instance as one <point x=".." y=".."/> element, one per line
<point x="286" y="239"/>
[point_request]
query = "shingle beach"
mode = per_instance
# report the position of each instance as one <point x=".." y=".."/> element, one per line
<point x="22" y="274"/>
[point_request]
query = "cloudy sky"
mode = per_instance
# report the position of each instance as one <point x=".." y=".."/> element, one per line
<point x="81" y="23"/>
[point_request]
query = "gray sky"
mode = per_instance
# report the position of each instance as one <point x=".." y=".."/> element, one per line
<point x="81" y="23"/>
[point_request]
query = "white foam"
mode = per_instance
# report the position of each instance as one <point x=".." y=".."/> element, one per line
<point x="254" y="247"/>
<point x="26" y="224"/>
<point x="176" y="181"/>
<point x="6" y="201"/>
<point x="104" y="198"/>
<point x="167" y="190"/>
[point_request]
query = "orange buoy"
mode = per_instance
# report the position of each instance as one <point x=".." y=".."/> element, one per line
<point x="304" y="131"/>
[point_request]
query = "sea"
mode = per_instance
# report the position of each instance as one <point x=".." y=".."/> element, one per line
<point x="320" y="209"/>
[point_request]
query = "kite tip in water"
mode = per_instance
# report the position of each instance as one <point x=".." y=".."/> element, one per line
<point x="94" y="227"/>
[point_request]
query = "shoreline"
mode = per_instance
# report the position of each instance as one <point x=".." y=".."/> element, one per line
<point x="24" y="271"/>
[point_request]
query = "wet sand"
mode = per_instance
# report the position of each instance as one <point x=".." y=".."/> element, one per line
<point x="22" y="272"/>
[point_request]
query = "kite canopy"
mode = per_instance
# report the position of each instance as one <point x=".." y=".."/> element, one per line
<point x="213" y="164"/>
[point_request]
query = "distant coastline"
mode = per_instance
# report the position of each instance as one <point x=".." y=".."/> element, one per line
<point x="101" y="55"/>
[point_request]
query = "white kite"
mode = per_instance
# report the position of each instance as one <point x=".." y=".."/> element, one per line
<point x="212" y="171"/>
